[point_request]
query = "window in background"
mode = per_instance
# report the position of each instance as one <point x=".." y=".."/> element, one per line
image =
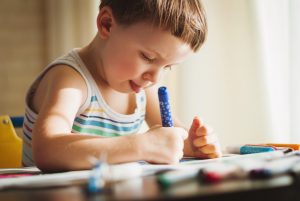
<point x="244" y="81"/>
<point x="33" y="33"/>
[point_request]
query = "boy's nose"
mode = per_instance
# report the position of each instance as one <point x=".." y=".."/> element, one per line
<point x="152" y="76"/>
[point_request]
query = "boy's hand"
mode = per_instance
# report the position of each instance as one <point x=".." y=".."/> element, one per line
<point x="164" y="144"/>
<point x="204" y="143"/>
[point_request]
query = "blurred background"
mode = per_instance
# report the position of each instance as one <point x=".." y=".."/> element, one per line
<point x="243" y="82"/>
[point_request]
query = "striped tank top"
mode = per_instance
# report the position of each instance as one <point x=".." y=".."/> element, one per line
<point x="94" y="117"/>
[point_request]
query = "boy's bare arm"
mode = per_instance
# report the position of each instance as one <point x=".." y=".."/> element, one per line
<point x="57" y="100"/>
<point x="55" y="148"/>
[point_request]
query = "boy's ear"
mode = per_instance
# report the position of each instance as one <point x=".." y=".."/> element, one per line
<point x="105" y="21"/>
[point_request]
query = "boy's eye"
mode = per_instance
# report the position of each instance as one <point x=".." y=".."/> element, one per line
<point x="147" y="58"/>
<point x="169" y="67"/>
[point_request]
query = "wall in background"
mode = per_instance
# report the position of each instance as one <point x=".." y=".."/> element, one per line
<point x="295" y="69"/>
<point x="22" y="52"/>
<point x="32" y="34"/>
<point x="244" y="81"/>
<point x="222" y="82"/>
<point x="70" y="24"/>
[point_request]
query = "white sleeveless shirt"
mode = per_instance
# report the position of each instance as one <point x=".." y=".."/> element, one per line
<point x="94" y="116"/>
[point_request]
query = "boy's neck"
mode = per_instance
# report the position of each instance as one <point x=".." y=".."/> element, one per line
<point x="92" y="58"/>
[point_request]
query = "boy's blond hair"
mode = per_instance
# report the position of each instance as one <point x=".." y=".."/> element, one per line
<point x="185" y="19"/>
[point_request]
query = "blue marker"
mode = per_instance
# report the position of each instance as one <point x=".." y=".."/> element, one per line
<point x="248" y="149"/>
<point x="165" y="109"/>
<point x="96" y="181"/>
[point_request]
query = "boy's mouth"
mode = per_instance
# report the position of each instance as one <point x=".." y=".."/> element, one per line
<point x="136" y="88"/>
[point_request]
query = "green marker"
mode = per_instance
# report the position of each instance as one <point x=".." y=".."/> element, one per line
<point x="174" y="177"/>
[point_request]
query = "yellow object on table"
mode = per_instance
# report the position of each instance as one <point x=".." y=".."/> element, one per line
<point x="292" y="146"/>
<point x="10" y="144"/>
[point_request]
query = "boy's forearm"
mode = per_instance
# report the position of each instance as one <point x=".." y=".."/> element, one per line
<point x="72" y="151"/>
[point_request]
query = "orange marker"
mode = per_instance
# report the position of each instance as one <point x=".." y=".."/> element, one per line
<point x="292" y="146"/>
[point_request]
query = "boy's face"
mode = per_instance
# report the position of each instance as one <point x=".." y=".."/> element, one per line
<point x="135" y="57"/>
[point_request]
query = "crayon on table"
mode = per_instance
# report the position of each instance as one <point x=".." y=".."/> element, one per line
<point x="276" y="167"/>
<point x="218" y="172"/>
<point x="176" y="177"/>
<point x="165" y="109"/>
<point x="103" y="174"/>
<point x="292" y="146"/>
<point x="284" y="149"/>
<point x="96" y="182"/>
<point x="249" y="149"/>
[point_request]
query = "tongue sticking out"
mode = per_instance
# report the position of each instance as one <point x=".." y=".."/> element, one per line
<point x="136" y="88"/>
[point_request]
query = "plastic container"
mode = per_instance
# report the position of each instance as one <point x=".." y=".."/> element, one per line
<point x="10" y="144"/>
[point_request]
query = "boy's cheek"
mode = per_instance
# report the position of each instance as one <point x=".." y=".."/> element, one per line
<point x="125" y="69"/>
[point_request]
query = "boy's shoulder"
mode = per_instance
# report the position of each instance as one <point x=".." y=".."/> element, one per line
<point x="64" y="75"/>
<point x="59" y="81"/>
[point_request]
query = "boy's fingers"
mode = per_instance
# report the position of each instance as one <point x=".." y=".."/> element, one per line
<point x="209" y="149"/>
<point x="200" y="154"/>
<point x="215" y="155"/>
<point x="204" y="130"/>
<point x="195" y="125"/>
<point x="204" y="140"/>
<point x="200" y="121"/>
<point x="207" y="145"/>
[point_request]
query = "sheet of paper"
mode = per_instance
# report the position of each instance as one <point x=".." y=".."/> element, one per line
<point x="193" y="163"/>
<point x="46" y="180"/>
<point x="29" y="170"/>
<point x="81" y="177"/>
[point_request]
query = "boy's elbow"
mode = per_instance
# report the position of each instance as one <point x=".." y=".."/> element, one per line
<point x="42" y="165"/>
<point x="46" y="163"/>
<point x="42" y="159"/>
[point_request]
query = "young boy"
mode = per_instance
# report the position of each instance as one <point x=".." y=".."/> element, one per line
<point x="93" y="100"/>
